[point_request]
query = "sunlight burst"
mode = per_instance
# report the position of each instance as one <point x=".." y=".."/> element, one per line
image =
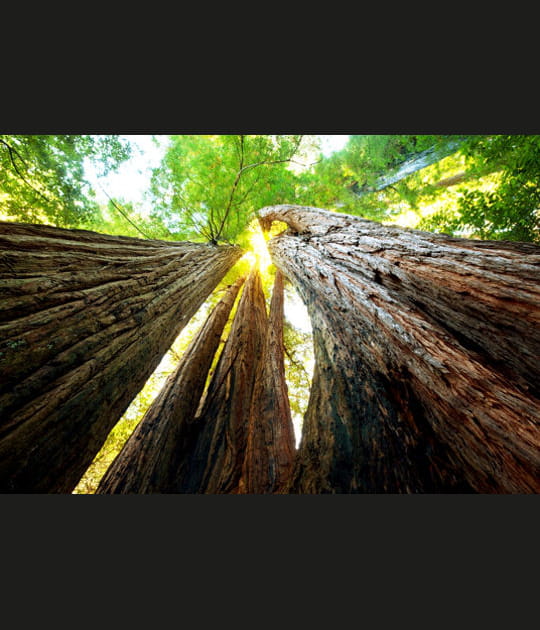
<point x="258" y="253"/>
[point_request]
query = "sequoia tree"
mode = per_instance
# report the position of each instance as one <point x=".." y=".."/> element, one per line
<point x="426" y="347"/>
<point x="270" y="448"/>
<point x="222" y="420"/>
<point x="84" y="320"/>
<point x="153" y="458"/>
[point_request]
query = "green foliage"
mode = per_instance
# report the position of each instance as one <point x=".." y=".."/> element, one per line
<point x="209" y="187"/>
<point x="495" y="195"/>
<point x="42" y="177"/>
<point x="299" y="361"/>
<point x="121" y="219"/>
<point x="325" y="185"/>
<point x="335" y="180"/>
<point x="509" y="206"/>
<point x="369" y="157"/>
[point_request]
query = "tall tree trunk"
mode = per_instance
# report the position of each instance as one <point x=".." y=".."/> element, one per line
<point x="426" y="348"/>
<point x="216" y="464"/>
<point x="270" y="448"/>
<point x="84" y="320"/>
<point x="153" y="457"/>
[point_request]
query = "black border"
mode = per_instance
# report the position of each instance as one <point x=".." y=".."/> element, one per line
<point x="473" y="540"/>
<point x="311" y="104"/>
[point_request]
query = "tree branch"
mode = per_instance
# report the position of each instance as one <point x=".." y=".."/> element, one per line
<point x="124" y="214"/>
<point x="242" y="170"/>
<point x="294" y="362"/>
<point x="12" y="151"/>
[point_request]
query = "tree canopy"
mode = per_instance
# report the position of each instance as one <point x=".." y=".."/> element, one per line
<point x="43" y="180"/>
<point x="507" y="208"/>
<point x="208" y="187"/>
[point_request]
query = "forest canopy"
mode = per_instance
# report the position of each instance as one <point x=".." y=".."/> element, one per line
<point x="208" y="187"/>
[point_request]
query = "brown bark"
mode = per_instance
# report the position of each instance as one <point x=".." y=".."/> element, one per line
<point x="452" y="180"/>
<point x="270" y="448"/>
<point x="84" y="320"/>
<point x="426" y="347"/>
<point x="153" y="458"/>
<point x="216" y="463"/>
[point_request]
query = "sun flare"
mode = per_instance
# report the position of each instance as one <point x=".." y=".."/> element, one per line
<point x="258" y="253"/>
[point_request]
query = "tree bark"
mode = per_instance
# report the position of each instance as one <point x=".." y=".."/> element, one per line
<point x="270" y="448"/>
<point x="222" y="422"/>
<point x="153" y="458"/>
<point x="426" y="348"/>
<point x="447" y="182"/>
<point x="84" y="320"/>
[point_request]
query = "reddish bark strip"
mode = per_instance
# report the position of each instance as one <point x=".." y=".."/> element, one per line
<point x="270" y="449"/>
<point x="426" y="346"/>
<point x="154" y="455"/>
<point x="84" y="320"/>
<point x="216" y="464"/>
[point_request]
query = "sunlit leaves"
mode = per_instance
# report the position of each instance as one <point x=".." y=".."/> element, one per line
<point x="498" y="196"/>
<point x="42" y="177"/>
<point x="209" y="187"/>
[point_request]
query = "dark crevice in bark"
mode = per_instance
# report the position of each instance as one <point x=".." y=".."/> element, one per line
<point x="502" y="366"/>
<point x="431" y="456"/>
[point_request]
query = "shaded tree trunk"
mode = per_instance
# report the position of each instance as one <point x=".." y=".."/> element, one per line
<point x="447" y="182"/>
<point x="153" y="458"/>
<point x="84" y="320"/>
<point x="426" y="348"/>
<point x="222" y="422"/>
<point x="464" y="176"/>
<point x="270" y="448"/>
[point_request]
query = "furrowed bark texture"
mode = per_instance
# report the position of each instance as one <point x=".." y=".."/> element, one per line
<point x="84" y="320"/>
<point x="216" y="463"/>
<point x="152" y="459"/>
<point x="426" y="347"/>
<point x="270" y="448"/>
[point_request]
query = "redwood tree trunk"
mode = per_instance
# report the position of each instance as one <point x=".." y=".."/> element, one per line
<point x="153" y="457"/>
<point x="216" y="463"/>
<point x="270" y="448"/>
<point x="84" y="320"/>
<point x="426" y="347"/>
